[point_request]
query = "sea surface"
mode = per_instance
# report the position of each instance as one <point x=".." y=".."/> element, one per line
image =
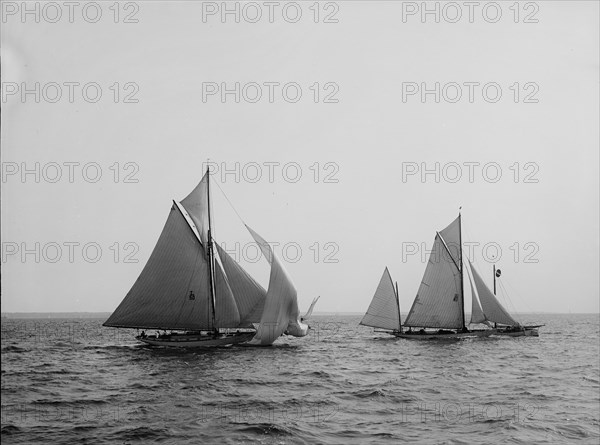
<point x="73" y="381"/>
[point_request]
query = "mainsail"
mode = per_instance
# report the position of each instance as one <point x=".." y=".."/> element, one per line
<point x="383" y="311"/>
<point x="492" y="308"/>
<point x="281" y="313"/>
<point x="439" y="300"/>
<point x="172" y="291"/>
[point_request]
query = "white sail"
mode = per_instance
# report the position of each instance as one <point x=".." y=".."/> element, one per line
<point x="249" y="295"/>
<point x="172" y="291"/>
<point x="196" y="204"/>
<point x="310" y="309"/>
<point x="438" y="300"/>
<point x="383" y="310"/>
<point x="451" y="236"/>
<point x="492" y="308"/>
<point x="477" y="315"/>
<point x="281" y="313"/>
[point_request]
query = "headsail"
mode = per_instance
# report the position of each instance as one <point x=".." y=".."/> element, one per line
<point x="477" y="315"/>
<point x="310" y="309"/>
<point x="172" y="291"/>
<point x="383" y="310"/>
<point x="249" y="295"/>
<point x="492" y="308"/>
<point x="281" y="313"/>
<point x="439" y="298"/>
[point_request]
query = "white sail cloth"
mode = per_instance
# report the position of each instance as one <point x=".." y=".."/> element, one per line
<point x="196" y="204"/>
<point x="172" y="291"/>
<point x="439" y="298"/>
<point x="477" y="315"/>
<point x="280" y="313"/>
<point x="310" y="309"/>
<point x="383" y="311"/>
<point x="491" y="307"/>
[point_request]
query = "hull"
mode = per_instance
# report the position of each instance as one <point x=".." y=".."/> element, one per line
<point x="416" y="335"/>
<point x="196" y="340"/>
<point x="523" y="332"/>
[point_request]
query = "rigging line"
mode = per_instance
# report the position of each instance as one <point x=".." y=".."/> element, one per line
<point x="507" y="297"/>
<point x="230" y="204"/>
<point x="521" y="299"/>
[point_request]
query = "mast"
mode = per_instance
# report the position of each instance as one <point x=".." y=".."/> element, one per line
<point x="495" y="324"/>
<point x="398" y="305"/>
<point x="211" y="255"/>
<point x="462" y="286"/>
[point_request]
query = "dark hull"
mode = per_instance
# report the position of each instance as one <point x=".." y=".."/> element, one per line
<point x="196" y="340"/>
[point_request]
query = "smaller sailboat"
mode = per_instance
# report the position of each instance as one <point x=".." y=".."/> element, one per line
<point x="488" y="310"/>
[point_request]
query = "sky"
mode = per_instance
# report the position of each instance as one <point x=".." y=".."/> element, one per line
<point x="345" y="133"/>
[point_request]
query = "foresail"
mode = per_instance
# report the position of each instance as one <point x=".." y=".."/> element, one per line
<point x="437" y="304"/>
<point x="492" y="308"/>
<point x="281" y="312"/>
<point x="383" y="310"/>
<point x="196" y="204"/>
<point x="249" y="295"/>
<point x="477" y="315"/>
<point x="226" y="310"/>
<point x="310" y="309"/>
<point x="172" y="291"/>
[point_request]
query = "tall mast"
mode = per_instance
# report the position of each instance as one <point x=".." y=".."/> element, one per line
<point x="495" y="324"/>
<point x="398" y="306"/>
<point x="211" y="255"/>
<point x="462" y="286"/>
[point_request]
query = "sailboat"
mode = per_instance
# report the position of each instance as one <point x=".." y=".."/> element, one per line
<point x="439" y="304"/>
<point x="491" y="311"/>
<point x="191" y="287"/>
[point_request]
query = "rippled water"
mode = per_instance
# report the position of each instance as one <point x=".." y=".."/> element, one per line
<point x="66" y="381"/>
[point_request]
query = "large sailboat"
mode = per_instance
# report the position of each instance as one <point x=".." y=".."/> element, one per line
<point x="487" y="309"/>
<point x="438" y="311"/>
<point x="194" y="289"/>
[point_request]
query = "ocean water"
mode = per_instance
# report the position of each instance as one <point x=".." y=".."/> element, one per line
<point x="73" y="381"/>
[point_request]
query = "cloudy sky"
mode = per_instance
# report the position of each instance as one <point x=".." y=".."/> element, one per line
<point x="347" y="133"/>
